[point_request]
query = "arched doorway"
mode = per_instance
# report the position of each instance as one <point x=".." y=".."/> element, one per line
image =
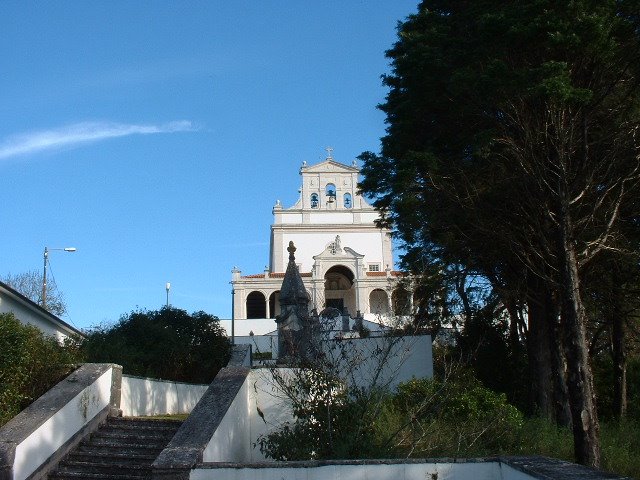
<point x="256" y="305"/>
<point x="338" y="289"/>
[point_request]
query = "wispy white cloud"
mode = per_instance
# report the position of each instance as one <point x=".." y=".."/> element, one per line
<point x="79" y="133"/>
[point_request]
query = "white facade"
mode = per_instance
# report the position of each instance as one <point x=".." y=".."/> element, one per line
<point x="345" y="260"/>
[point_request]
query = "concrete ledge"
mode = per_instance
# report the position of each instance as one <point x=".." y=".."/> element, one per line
<point x="552" y="468"/>
<point x="31" y="425"/>
<point x="187" y="446"/>
<point x="500" y="468"/>
<point x="240" y="356"/>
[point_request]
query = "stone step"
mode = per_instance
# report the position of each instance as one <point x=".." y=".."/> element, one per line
<point x="102" y="457"/>
<point x="144" y="438"/>
<point x="109" y="448"/>
<point x="114" y="468"/>
<point x="138" y="422"/>
<point x="121" y="449"/>
<point x="89" y="476"/>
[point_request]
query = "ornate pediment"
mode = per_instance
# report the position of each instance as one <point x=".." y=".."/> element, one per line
<point x="336" y="250"/>
<point x="329" y="166"/>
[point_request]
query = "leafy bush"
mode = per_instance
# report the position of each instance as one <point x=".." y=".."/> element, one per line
<point x="30" y="364"/>
<point x="457" y="417"/>
<point x="424" y="418"/>
<point x="331" y="420"/>
<point x="167" y="343"/>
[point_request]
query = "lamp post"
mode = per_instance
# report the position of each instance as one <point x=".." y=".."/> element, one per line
<point x="44" y="275"/>
<point x="168" y="286"/>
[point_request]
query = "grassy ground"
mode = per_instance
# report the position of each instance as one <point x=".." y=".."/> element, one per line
<point x="181" y="416"/>
<point x="620" y="444"/>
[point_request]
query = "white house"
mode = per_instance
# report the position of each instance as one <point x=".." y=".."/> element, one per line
<point x="30" y="313"/>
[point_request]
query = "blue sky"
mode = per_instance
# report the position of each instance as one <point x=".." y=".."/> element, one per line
<point x="155" y="136"/>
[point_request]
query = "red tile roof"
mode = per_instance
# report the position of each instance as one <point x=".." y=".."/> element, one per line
<point x="273" y="275"/>
<point x="394" y="273"/>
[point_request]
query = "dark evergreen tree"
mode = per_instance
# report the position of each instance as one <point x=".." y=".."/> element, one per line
<point x="511" y="148"/>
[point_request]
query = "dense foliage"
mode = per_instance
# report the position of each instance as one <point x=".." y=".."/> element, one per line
<point x="512" y="156"/>
<point x="30" y="364"/>
<point x="168" y="343"/>
<point x="423" y="418"/>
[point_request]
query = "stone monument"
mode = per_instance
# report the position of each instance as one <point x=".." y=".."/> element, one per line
<point x="297" y="329"/>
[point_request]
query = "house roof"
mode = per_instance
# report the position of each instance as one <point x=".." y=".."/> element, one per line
<point x="7" y="290"/>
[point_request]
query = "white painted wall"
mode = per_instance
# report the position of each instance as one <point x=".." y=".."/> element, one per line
<point x="30" y="315"/>
<point x="232" y="439"/>
<point x="402" y="359"/>
<point x="367" y="242"/>
<point x="52" y="434"/>
<point x="146" y="396"/>
<point x="399" y="471"/>
<point x="242" y="424"/>
<point x="275" y="408"/>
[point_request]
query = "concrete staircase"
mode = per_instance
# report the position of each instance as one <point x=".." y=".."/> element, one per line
<point x="123" y="448"/>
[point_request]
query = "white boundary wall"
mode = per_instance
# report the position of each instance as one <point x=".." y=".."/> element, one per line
<point x="371" y="471"/>
<point x="34" y="450"/>
<point x="147" y="396"/>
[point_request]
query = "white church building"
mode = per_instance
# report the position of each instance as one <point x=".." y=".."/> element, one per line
<point x="345" y="260"/>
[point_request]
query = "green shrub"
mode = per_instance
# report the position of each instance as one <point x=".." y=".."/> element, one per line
<point x="425" y="418"/>
<point x="459" y="417"/>
<point x="30" y="364"/>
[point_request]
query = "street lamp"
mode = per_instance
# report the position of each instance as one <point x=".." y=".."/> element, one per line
<point x="44" y="275"/>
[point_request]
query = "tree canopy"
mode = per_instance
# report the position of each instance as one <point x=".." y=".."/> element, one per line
<point x="168" y="343"/>
<point x="512" y="150"/>
<point x="29" y="284"/>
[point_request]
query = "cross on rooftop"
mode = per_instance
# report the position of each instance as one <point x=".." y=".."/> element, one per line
<point x="329" y="150"/>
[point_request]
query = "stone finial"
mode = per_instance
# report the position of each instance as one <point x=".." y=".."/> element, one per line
<point x="292" y="250"/>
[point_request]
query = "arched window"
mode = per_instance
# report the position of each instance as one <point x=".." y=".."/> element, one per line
<point x="256" y="305"/>
<point x="314" y="200"/>
<point x="347" y="200"/>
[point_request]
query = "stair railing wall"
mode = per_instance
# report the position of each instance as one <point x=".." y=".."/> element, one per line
<point x="33" y="442"/>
